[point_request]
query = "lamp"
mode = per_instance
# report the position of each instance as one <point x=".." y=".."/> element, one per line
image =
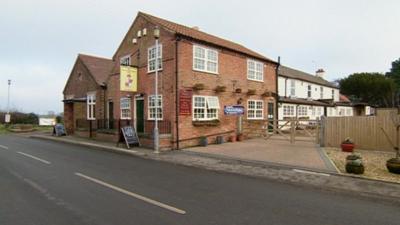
<point x="156" y="32"/>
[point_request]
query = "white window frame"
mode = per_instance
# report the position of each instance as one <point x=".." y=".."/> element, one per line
<point x="292" y="88"/>
<point x="124" y="58"/>
<point x="289" y="111"/>
<point x="255" y="109"/>
<point x="150" y="107"/>
<point x="125" y="108"/>
<point x="151" y="59"/>
<point x="91" y="105"/>
<point x="206" y="60"/>
<point x="257" y="64"/>
<point x="309" y="91"/>
<point x="210" y="103"/>
<point x="302" y="110"/>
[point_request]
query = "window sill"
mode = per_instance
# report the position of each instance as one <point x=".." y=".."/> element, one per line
<point x="153" y="71"/>
<point x="260" y="81"/>
<point x="206" y="123"/>
<point x="255" y="118"/>
<point x="205" y="71"/>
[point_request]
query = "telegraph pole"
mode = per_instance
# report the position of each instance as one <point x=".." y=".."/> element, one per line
<point x="7" y="118"/>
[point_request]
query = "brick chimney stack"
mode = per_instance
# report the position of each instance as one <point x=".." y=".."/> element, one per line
<point x="320" y="73"/>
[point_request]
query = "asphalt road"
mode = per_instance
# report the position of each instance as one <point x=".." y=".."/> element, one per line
<point x="47" y="183"/>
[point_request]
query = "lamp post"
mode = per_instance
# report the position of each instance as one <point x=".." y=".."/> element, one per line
<point x="8" y="117"/>
<point x="156" y="134"/>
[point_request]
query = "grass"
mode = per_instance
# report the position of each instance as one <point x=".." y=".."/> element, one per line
<point x="3" y="129"/>
<point x="374" y="162"/>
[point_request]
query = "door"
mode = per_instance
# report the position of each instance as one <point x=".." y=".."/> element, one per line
<point x="140" y="115"/>
<point x="110" y="116"/>
<point x="270" y="116"/>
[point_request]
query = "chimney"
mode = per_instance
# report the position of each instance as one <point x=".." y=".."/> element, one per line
<point x="196" y="28"/>
<point x="320" y="73"/>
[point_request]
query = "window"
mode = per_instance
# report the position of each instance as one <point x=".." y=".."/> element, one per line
<point x="302" y="111"/>
<point x="321" y="92"/>
<point x="205" y="107"/>
<point x="125" y="108"/>
<point x="341" y="112"/>
<point x="155" y="107"/>
<point x="255" y="70"/>
<point x="255" y="109"/>
<point x="151" y="58"/>
<point x="333" y="94"/>
<point x="292" y="88"/>
<point x="309" y="90"/>
<point x="91" y="106"/>
<point x="313" y="110"/>
<point x="288" y="110"/>
<point x="349" y="112"/>
<point x="319" y="111"/>
<point x="205" y="60"/>
<point x="125" y="61"/>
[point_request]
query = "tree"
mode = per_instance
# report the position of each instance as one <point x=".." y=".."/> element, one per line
<point x="394" y="74"/>
<point x="372" y="88"/>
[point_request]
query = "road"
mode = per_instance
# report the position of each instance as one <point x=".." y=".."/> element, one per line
<point x="48" y="183"/>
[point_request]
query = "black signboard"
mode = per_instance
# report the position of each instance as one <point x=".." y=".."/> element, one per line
<point x="130" y="136"/>
<point x="59" y="130"/>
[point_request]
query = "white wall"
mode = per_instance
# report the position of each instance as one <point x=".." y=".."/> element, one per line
<point x="302" y="89"/>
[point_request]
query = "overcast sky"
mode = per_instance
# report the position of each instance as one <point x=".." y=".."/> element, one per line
<point x="40" y="39"/>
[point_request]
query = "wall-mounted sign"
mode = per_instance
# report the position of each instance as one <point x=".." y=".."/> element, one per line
<point x="185" y="102"/>
<point x="234" y="110"/>
<point x="128" y="78"/>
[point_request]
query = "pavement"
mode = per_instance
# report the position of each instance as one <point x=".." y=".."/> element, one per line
<point x="48" y="182"/>
<point x="305" y="154"/>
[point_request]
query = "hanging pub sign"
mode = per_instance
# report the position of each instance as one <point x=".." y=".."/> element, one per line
<point x="185" y="102"/>
<point x="234" y="110"/>
<point x="128" y="78"/>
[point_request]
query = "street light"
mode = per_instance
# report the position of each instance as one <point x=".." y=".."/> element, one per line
<point x="156" y="134"/>
<point x="8" y="117"/>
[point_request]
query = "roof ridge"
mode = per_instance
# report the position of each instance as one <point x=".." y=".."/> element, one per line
<point x="94" y="56"/>
<point x="301" y="71"/>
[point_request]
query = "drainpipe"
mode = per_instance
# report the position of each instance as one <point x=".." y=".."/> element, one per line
<point x="177" y="93"/>
<point x="277" y="90"/>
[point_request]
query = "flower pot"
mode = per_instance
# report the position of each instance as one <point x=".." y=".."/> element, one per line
<point x="220" y="139"/>
<point x="354" y="168"/>
<point x="347" y="147"/>
<point x="393" y="165"/>
<point x="203" y="141"/>
<point x="240" y="137"/>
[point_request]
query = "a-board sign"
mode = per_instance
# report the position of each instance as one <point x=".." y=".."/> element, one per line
<point x="59" y="130"/>
<point x="130" y="136"/>
<point x="234" y="110"/>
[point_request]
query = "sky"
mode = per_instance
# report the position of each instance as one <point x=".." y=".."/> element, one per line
<point x="40" y="39"/>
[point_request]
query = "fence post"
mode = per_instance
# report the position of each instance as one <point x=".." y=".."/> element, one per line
<point x="322" y="131"/>
<point x="292" y="130"/>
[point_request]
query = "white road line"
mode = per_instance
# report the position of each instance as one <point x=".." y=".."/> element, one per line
<point x="140" y="197"/>
<point x="311" y="172"/>
<point x="3" y="147"/>
<point x="34" y="157"/>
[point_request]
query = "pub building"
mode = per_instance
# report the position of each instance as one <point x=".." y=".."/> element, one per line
<point x="204" y="83"/>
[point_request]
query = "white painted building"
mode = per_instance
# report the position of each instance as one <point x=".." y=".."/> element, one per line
<point x="307" y="96"/>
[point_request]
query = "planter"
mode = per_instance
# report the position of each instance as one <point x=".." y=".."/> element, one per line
<point x="240" y="137"/>
<point x="198" y="87"/>
<point x="347" y="147"/>
<point x="220" y="89"/>
<point x="203" y="141"/>
<point x="355" y="169"/>
<point x="393" y="165"/>
<point x="220" y="140"/>
<point x="251" y="92"/>
<point x="211" y="123"/>
<point x="238" y="90"/>
<point x="232" y="138"/>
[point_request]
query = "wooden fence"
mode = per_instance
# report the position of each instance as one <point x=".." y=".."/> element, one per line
<point x="365" y="131"/>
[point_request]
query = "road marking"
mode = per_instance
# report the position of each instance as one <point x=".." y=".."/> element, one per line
<point x="34" y="157"/>
<point x="3" y="147"/>
<point x="140" y="197"/>
<point x="311" y="172"/>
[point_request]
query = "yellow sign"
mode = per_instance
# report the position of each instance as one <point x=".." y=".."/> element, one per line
<point x="128" y="78"/>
